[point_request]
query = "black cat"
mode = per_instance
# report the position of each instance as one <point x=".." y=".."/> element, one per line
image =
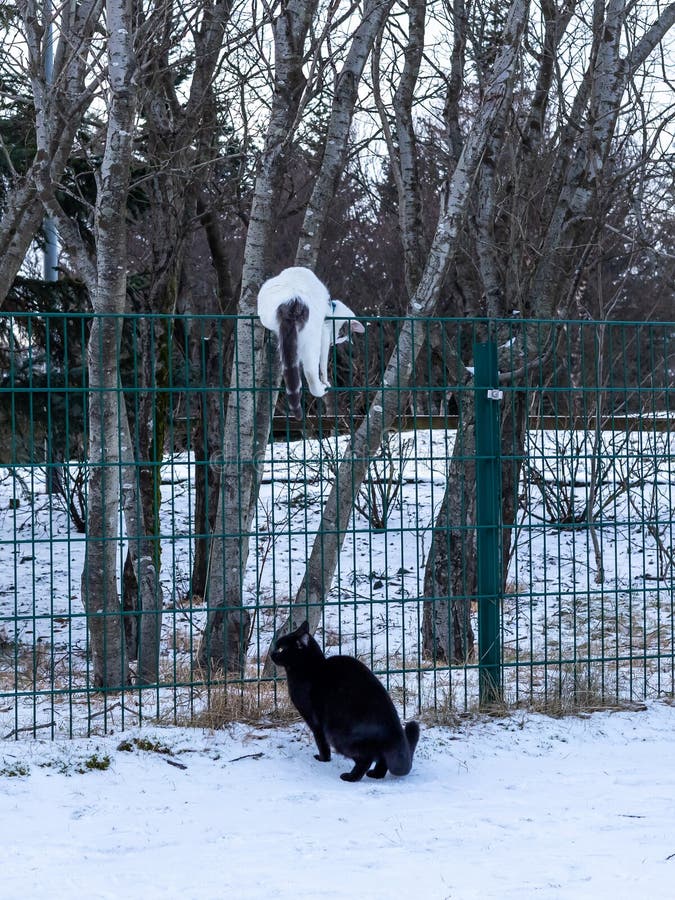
<point x="346" y="707"/>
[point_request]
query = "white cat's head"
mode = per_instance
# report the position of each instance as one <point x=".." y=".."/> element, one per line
<point x="342" y="316"/>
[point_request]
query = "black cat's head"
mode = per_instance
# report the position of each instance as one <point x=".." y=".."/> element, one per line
<point x="294" y="647"/>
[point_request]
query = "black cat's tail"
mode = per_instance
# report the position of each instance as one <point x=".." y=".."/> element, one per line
<point x="292" y="316"/>
<point x="399" y="760"/>
<point x="412" y="733"/>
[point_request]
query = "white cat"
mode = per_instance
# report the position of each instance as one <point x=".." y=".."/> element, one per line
<point x="297" y="307"/>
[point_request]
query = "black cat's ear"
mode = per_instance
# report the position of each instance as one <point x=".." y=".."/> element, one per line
<point x="303" y="634"/>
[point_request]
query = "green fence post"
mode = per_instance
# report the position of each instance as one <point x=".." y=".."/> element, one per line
<point x="488" y="521"/>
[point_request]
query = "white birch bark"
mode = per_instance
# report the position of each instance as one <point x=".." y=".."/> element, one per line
<point x="408" y="176"/>
<point x="59" y="109"/>
<point x="226" y="633"/>
<point x="576" y="175"/>
<point x="99" y="576"/>
<point x="603" y="90"/>
<point x="337" y="138"/>
<point x="338" y="509"/>
<point x="241" y="482"/>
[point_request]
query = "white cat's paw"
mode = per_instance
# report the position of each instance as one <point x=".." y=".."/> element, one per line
<point x="317" y="390"/>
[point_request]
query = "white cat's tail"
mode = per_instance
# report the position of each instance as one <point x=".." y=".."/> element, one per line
<point x="291" y="316"/>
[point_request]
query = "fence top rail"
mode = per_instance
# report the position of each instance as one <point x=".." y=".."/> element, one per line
<point x="456" y="320"/>
<point x="315" y="426"/>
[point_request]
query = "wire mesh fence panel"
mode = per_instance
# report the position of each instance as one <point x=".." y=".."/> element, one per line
<point x="162" y="518"/>
<point x="588" y="603"/>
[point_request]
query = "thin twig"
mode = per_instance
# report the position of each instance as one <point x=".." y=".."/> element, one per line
<point x="16" y="731"/>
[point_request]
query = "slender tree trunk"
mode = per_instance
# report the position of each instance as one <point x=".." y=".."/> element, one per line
<point x="59" y="108"/>
<point x="142" y="596"/>
<point x="180" y="147"/>
<point x="18" y="227"/>
<point x="337" y="139"/>
<point x="581" y="169"/>
<point x="450" y="579"/>
<point x="353" y="467"/>
<point x="226" y="634"/>
<point x="207" y="443"/>
<point x="99" y="576"/>
<point x="450" y="575"/>
<point x="451" y="563"/>
<point x="210" y="351"/>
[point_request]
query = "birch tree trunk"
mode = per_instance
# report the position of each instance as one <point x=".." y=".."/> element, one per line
<point x="179" y="142"/>
<point x="401" y="144"/>
<point x="353" y="467"/>
<point x="581" y="167"/>
<point x="260" y="413"/>
<point x="337" y="139"/>
<point x="451" y="571"/>
<point x="563" y="248"/>
<point x="99" y="576"/>
<point x="59" y="109"/>
<point x="226" y="635"/>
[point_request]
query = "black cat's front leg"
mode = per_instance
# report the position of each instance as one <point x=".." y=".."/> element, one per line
<point x="361" y="766"/>
<point x="322" y="744"/>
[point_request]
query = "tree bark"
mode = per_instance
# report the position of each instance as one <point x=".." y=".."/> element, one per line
<point x="450" y="573"/>
<point x="337" y="138"/>
<point x="225" y="638"/>
<point x="571" y="222"/>
<point x="408" y="178"/>
<point x="562" y="251"/>
<point x="353" y="467"/>
<point x="180" y="151"/>
<point x="268" y="373"/>
<point x="99" y="576"/>
<point x="59" y="109"/>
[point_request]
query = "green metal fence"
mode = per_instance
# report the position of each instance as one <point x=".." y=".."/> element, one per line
<point x="511" y="542"/>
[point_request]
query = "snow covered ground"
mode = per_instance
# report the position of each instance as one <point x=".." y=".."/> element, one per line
<point x="519" y="807"/>
<point x="565" y="633"/>
<point x="523" y="806"/>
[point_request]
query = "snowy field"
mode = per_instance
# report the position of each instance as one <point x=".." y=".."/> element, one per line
<point x="523" y="806"/>
<point x="614" y="637"/>
<point x="519" y="807"/>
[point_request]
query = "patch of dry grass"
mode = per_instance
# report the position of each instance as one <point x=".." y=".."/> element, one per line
<point x="253" y="703"/>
